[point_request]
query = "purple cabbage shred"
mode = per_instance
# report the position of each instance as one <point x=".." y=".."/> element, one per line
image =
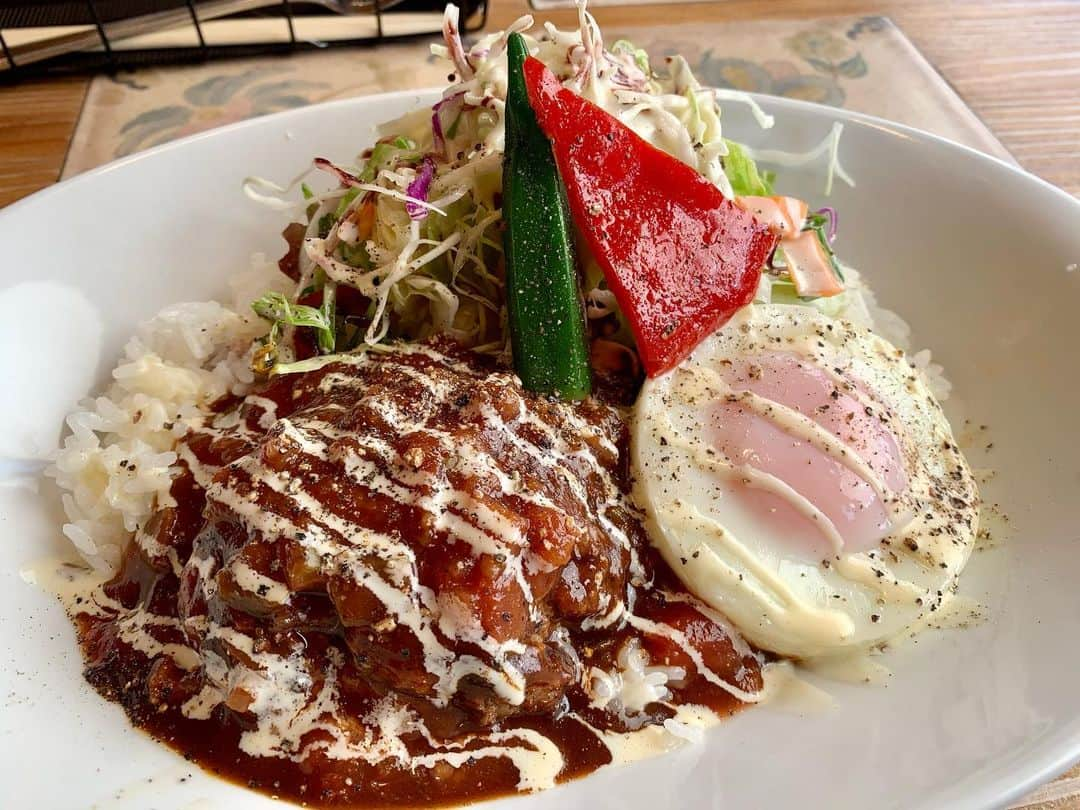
<point x="833" y="220"/>
<point x="418" y="189"/>
<point x="438" y="137"/>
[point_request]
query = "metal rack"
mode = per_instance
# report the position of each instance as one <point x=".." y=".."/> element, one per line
<point x="106" y="56"/>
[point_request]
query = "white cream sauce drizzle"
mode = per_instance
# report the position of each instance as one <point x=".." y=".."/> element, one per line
<point x="797" y="425"/>
<point x="288" y="706"/>
<point x="467" y="519"/>
<point x="202" y="473"/>
<point x="687" y="726"/>
<point x="855" y="667"/>
<point x="269" y="410"/>
<point x="781" y="602"/>
<point x="709" y="384"/>
<point x="716" y="462"/>
<point x="617" y="612"/>
<point x="269" y="590"/>
<point x="132" y="629"/>
<point x="863" y="570"/>
<point x="781" y="686"/>
<point x="80" y="591"/>
<point x="670" y="633"/>
<point x="794" y="694"/>
<point x="285" y="700"/>
<point x="76" y="586"/>
<point x="156" y="551"/>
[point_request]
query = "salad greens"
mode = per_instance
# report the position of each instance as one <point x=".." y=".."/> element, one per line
<point x="743" y="173"/>
<point x="387" y="256"/>
<point x="280" y="312"/>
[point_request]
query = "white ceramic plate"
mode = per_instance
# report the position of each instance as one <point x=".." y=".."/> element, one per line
<point x="974" y="253"/>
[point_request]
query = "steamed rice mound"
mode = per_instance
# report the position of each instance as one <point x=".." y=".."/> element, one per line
<point x="115" y="467"/>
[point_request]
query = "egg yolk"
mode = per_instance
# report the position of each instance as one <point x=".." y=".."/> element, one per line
<point x="764" y="438"/>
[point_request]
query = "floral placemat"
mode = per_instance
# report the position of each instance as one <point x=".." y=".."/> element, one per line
<point x="861" y="63"/>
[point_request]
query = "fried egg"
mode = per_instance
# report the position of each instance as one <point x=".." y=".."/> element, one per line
<point x="798" y="475"/>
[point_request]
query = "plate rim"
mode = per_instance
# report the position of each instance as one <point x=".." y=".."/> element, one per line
<point x="892" y="128"/>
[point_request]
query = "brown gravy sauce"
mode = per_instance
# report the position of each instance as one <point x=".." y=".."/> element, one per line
<point x="159" y="605"/>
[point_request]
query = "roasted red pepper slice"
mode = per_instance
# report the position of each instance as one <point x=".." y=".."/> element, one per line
<point x="680" y="257"/>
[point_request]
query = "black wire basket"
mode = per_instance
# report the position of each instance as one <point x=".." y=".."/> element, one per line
<point x="101" y="26"/>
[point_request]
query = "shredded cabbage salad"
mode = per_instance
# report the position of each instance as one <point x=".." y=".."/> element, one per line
<point x="414" y="225"/>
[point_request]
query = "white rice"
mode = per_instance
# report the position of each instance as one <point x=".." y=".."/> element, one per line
<point x="116" y="466"/>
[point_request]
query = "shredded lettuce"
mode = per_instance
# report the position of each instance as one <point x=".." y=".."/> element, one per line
<point x="311" y="364"/>
<point x="386" y="153"/>
<point x="640" y="57"/>
<point x="343" y="205"/>
<point x="326" y="223"/>
<point x="356" y="255"/>
<point x="277" y="309"/>
<point x="327" y="338"/>
<point x="742" y="172"/>
<point x="441" y="269"/>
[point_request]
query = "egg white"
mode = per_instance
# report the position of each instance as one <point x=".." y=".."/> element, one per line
<point x="788" y="602"/>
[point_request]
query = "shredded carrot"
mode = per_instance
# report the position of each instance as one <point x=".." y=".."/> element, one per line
<point x="810" y="267"/>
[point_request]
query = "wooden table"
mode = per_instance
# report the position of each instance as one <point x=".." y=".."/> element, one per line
<point x="1015" y="62"/>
